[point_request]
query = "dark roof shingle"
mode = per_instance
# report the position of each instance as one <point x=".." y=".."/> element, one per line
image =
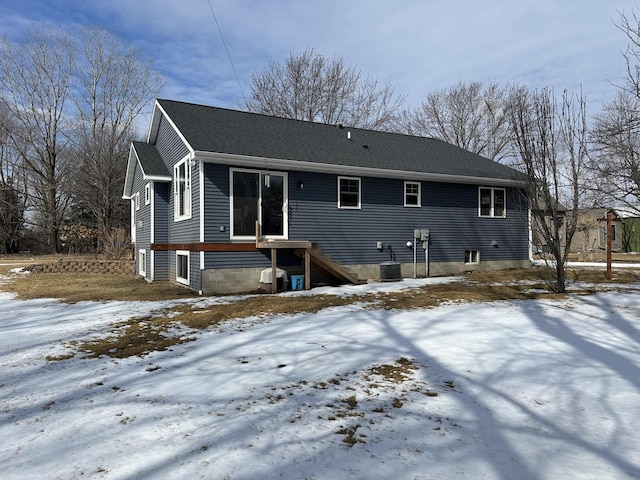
<point x="150" y="160"/>
<point x="212" y="129"/>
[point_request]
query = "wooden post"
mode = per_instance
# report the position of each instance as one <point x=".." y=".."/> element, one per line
<point x="609" y="235"/>
<point x="257" y="232"/>
<point x="274" y="269"/>
<point x="307" y="269"/>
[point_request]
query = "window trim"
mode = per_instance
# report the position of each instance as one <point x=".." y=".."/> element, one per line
<point x="136" y="201"/>
<point x="349" y="207"/>
<point x="418" y="194"/>
<point x="492" y="202"/>
<point x="142" y="262"/>
<point x="147" y="194"/>
<point x="187" y="191"/>
<point x="183" y="253"/>
<point x="470" y="253"/>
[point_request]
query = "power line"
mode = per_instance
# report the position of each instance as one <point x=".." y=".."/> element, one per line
<point x="227" y="50"/>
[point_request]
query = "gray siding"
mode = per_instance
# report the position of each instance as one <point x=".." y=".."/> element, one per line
<point x="449" y="211"/>
<point x="161" y="232"/>
<point x="161" y="218"/>
<point x="142" y="218"/>
<point x="216" y="190"/>
<point x="171" y="148"/>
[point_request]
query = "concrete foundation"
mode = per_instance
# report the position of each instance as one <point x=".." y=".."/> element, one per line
<point x="243" y="280"/>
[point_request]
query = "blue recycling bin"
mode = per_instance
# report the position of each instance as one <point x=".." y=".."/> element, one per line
<point x="297" y="282"/>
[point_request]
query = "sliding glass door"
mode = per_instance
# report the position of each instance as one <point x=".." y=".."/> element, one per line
<point x="258" y="196"/>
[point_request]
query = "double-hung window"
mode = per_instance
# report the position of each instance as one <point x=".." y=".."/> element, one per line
<point x="492" y="202"/>
<point x="349" y="192"/>
<point x="411" y="194"/>
<point x="182" y="190"/>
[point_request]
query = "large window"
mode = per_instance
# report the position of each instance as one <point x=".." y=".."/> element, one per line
<point x="182" y="267"/>
<point x="258" y="196"/>
<point x="348" y="192"/>
<point x="411" y="194"/>
<point x="492" y="202"/>
<point x="182" y="190"/>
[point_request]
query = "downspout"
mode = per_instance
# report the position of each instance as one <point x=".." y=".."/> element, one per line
<point x="201" y="200"/>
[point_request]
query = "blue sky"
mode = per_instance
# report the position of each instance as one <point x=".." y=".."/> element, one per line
<point x="419" y="46"/>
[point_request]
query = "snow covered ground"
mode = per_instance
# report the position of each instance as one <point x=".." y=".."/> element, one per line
<point x="507" y="390"/>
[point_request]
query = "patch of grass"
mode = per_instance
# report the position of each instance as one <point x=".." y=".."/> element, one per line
<point x="350" y="435"/>
<point x="141" y="336"/>
<point x="136" y="337"/>
<point x="260" y="305"/>
<point x="351" y="401"/>
<point x="396" y="373"/>
<point x="77" y="287"/>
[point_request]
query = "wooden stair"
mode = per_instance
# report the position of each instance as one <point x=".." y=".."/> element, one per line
<point x="312" y="256"/>
<point x="326" y="264"/>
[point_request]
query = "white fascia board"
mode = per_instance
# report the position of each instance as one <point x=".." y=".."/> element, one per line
<point x="297" y="165"/>
<point x="152" y="134"/>
<point x="158" y="111"/>
<point x="158" y="178"/>
<point x="128" y="179"/>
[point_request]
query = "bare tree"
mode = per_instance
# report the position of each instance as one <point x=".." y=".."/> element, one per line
<point x="35" y="83"/>
<point x="615" y="167"/>
<point x="13" y="188"/>
<point x="309" y="86"/>
<point x="551" y="138"/>
<point x="472" y="116"/>
<point x="629" y="24"/>
<point x="114" y="87"/>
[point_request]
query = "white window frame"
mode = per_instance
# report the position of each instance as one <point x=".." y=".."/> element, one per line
<point x="178" y="199"/>
<point x="492" y="213"/>
<point x="142" y="262"/>
<point x="350" y="207"/>
<point x="147" y="194"/>
<point x="285" y="201"/>
<point x="471" y="256"/>
<point x="185" y="253"/>
<point x="418" y="194"/>
<point x="136" y="201"/>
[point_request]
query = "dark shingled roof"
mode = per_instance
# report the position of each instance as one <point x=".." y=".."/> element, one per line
<point x="150" y="160"/>
<point x="212" y="129"/>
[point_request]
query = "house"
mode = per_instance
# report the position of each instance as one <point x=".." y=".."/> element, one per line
<point x="330" y="201"/>
<point x="630" y="215"/>
<point x="591" y="231"/>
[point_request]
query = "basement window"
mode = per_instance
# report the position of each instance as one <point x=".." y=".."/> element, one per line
<point x="182" y="267"/>
<point x="142" y="262"/>
<point x="471" y="256"/>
